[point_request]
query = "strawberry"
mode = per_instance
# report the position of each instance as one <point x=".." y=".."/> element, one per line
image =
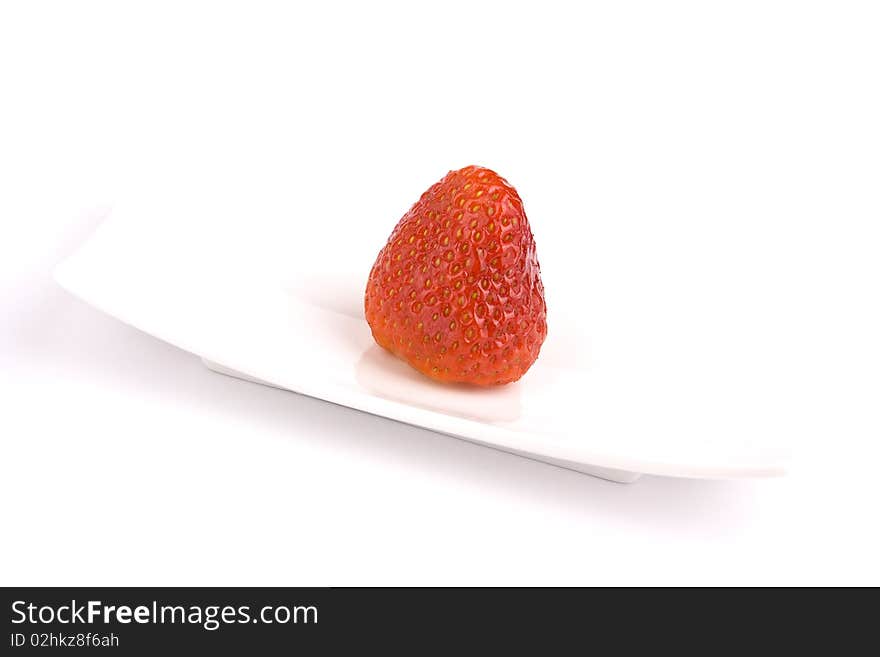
<point x="456" y="292"/>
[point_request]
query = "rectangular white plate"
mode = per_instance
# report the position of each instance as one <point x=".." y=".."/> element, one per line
<point x="306" y="333"/>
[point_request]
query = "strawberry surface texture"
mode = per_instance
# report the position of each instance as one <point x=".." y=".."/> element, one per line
<point x="456" y="291"/>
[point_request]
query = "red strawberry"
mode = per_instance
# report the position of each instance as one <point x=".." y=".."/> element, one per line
<point x="456" y="292"/>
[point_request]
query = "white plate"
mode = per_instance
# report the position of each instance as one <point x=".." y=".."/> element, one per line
<point x="305" y="332"/>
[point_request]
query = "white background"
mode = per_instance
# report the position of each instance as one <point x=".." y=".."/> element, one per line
<point x="720" y="154"/>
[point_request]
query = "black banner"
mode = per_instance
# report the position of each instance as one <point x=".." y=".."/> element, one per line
<point x="134" y="621"/>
